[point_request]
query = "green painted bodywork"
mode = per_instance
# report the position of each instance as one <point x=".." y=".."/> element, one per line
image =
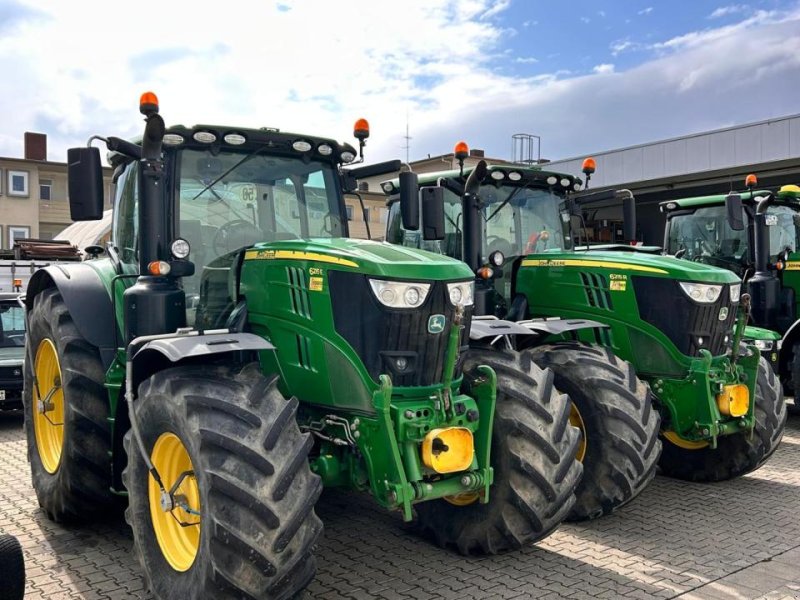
<point x="685" y="386"/>
<point x="368" y="432"/>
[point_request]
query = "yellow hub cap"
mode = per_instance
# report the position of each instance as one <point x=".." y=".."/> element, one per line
<point x="576" y="420"/>
<point x="177" y="530"/>
<point x="48" y="406"/>
<point x="674" y="438"/>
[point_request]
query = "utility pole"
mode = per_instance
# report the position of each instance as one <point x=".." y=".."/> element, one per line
<point x="408" y="139"/>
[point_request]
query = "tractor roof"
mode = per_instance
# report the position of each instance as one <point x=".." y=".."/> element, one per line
<point x="506" y="174"/>
<point x="788" y="193"/>
<point x="246" y="140"/>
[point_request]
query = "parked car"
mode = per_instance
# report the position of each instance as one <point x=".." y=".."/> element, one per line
<point x="12" y="351"/>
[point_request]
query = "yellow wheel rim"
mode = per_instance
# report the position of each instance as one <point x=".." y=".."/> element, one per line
<point x="674" y="438"/>
<point x="576" y="420"/>
<point x="177" y="530"/>
<point x="48" y="406"/>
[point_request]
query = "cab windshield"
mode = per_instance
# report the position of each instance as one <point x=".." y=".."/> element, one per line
<point x="517" y="220"/>
<point x="705" y="236"/>
<point x="229" y="201"/>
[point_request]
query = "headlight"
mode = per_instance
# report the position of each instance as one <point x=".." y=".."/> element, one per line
<point x="400" y="294"/>
<point x="764" y="345"/>
<point x="461" y="293"/>
<point x="736" y="290"/>
<point x="180" y="248"/>
<point x="701" y="292"/>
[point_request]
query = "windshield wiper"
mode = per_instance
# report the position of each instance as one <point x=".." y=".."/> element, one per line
<point x="228" y="172"/>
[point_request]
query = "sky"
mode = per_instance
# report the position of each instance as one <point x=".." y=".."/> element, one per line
<point x="583" y="75"/>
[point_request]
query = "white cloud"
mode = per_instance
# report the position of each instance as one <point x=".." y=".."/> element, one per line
<point x="602" y="13"/>
<point x="646" y="11"/>
<point x="494" y="10"/>
<point x="603" y="68"/>
<point x="316" y="67"/>
<point x="527" y="60"/>
<point x="529" y="23"/>
<point x="585" y="20"/>
<point x="724" y="11"/>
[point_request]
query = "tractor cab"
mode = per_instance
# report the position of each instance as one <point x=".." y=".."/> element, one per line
<point x="699" y="229"/>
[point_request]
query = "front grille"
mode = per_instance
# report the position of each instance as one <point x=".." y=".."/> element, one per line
<point x="663" y="304"/>
<point x="380" y="335"/>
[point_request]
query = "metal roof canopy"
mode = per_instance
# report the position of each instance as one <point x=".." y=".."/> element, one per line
<point x="711" y="162"/>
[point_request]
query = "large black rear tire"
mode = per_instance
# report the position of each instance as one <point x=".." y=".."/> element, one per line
<point x="253" y="484"/>
<point x="735" y="455"/>
<point x="616" y="415"/>
<point x="12" y="569"/>
<point x="80" y="486"/>
<point x="533" y="456"/>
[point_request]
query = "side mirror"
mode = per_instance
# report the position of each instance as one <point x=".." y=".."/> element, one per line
<point x="629" y="218"/>
<point x="734" y="211"/>
<point x="409" y="200"/>
<point x="432" y="213"/>
<point x="85" y="184"/>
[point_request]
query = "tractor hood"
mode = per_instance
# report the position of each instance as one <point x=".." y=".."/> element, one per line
<point x="365" y="256"/>
<point x="640" y="263"/>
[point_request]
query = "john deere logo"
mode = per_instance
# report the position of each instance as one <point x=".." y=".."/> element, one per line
<point x="436" y="324"/>
<point x="723" y="313"/>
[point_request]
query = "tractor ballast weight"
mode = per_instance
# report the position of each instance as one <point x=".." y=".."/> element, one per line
<point x="243" y="353"/>
<point x="677" y="322"/>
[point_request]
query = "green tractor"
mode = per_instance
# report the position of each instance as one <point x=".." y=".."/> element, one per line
<point x="755" y="234"/>
<point x="231" y="352"/>
<point x="678" y="323"/>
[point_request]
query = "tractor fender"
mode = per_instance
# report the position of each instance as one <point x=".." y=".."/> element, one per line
<point x="156" y="355"/>
<point x="489" y="327"/>
<point x="88" y="302"/>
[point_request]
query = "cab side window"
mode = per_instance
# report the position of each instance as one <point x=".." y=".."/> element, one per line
<point x="126" y="218"/>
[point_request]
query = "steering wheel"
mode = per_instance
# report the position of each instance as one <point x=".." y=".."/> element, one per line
<point x="234" y="235"/>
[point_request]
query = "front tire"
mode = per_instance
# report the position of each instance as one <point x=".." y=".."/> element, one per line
<point x="533" y="456"/>
<point x="616" y="415"/>
<point x="250" y="483"/>
<point x="735" y="454"/>
<point x="66" y="415"/>
<point x="12" y="569"/>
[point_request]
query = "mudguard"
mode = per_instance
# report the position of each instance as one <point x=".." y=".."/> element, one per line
<point x="88" y="302"/>
<point x="483" y="328"/>
<point x="185" y="346"/>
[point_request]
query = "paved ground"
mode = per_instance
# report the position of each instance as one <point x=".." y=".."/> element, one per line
<point x="739" y="539"/>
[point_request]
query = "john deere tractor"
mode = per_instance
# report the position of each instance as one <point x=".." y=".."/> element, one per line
<point x="232" y="352"/>
<point x="755" y="234"/>
<point x="677" y="323"/>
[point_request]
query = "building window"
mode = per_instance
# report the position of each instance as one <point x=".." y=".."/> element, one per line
<point x="16" y="233"/>
<point x="349" y="212"/>
<point x="17" y="183"/>
<point x="366" y="213"/>
<point x="45" y="189"/>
